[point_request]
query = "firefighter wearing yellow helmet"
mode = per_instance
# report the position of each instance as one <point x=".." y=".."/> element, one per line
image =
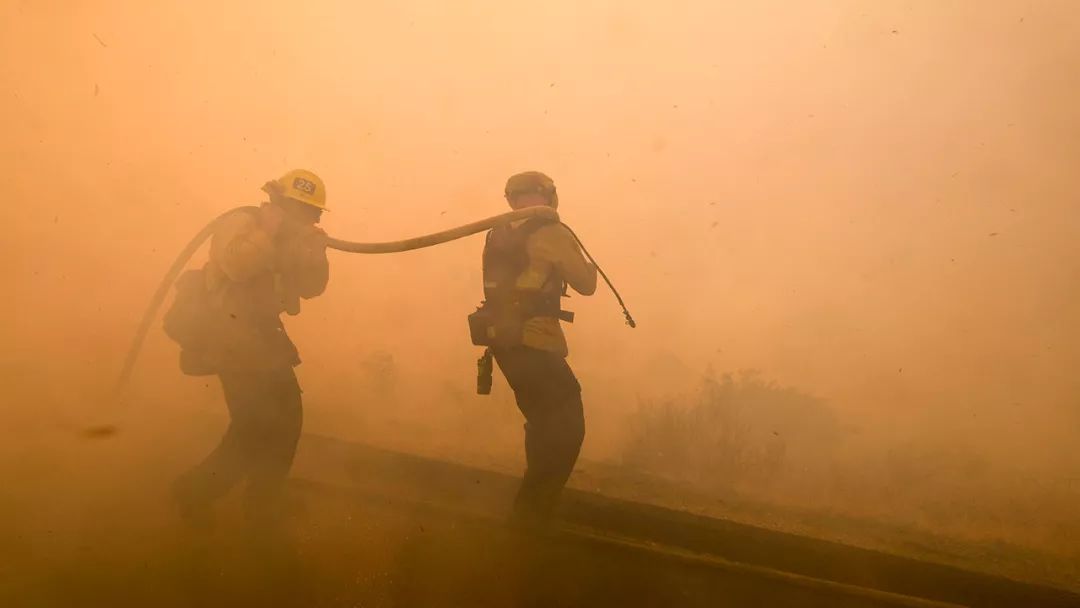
<point x="527" y="267"/>
<point x="261" y="264"/>
<point x="300" y="186"/>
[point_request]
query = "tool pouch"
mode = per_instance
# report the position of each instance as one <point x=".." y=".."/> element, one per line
<point x="188" y="322"/>
<point x="489" y="327"/>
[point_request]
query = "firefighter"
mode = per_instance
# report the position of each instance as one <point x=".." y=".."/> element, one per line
<point x="527" y="267"/>
<point x="261" y="264"/>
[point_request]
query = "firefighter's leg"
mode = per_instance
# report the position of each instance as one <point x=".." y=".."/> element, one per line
<point x="549" y="397"/>
<point x="278" y="432"/>
<point x="227" y="464"/>
<point x="558" y="429"/>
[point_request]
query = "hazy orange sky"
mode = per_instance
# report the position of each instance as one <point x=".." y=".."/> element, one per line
<point x="875" y="202"/>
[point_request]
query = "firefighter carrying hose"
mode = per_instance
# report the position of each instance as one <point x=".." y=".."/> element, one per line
<point x="527" y="266"/>
<point x="226" y="318"/>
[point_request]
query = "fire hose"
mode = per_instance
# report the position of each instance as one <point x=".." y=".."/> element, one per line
<point x="419" y="242"/>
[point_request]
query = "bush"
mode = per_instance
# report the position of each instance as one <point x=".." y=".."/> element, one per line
<point x="731" y="430"/>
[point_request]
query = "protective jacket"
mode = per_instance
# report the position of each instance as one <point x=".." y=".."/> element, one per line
<point x="250" y="279"/>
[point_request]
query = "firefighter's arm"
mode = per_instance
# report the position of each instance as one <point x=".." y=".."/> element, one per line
<point x="303" y="261"/>
<point x="556" y="245"/>
<point x="242" y="248"/>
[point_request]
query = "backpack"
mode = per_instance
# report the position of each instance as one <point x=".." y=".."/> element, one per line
<point x="190" y="322"/>
<point x="500" y="318"/>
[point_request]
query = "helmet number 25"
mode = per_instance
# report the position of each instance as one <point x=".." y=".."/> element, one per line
<point x="304" y="185"/>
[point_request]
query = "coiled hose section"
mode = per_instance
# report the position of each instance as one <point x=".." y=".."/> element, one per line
<point x="419" y="242"/>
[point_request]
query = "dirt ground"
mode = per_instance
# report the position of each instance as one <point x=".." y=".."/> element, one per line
<point x="95" y="526"/>
<point x="334" y="552"/>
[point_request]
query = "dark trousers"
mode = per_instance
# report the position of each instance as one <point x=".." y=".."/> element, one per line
<point x="549" y="397"/>
<point x="265" y="420"/>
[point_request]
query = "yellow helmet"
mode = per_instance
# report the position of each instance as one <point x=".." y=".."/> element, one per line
<point x="300" y="185"/>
